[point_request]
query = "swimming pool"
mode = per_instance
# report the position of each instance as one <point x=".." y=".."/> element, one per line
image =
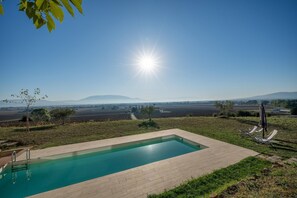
<point x="61" y="170"/>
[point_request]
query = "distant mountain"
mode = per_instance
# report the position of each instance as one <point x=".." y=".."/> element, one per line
<point x="97" y="99"/>
<point x="118" y="99"/>
<point x="274" y="96"/>
<point x="17" y="103"/>
<point x="104" y="99"/>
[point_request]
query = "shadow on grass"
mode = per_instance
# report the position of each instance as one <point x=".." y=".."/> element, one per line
<point x="38" y="128"/>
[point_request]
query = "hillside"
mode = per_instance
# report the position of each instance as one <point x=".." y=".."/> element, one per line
<point x="274" y="96"/>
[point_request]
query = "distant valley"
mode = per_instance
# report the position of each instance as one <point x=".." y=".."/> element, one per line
<point x="119" y="99"/>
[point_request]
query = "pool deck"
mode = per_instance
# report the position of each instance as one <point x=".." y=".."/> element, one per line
<point x="151" y="178"/>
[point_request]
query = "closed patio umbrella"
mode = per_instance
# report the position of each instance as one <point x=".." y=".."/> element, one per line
<point x="263" y="120"/>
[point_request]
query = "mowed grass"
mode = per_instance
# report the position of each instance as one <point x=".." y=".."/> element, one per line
<point x="212" y="183"/>
<point x="282" y="179"/>
<point x="277" y="181"/>
<point x="226" y="130"/>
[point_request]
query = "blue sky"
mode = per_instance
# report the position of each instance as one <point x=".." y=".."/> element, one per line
<point x="209" y="49"/>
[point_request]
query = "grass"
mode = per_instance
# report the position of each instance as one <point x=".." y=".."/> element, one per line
<point x="211" y="183"/>
<point x="283" y="179"/>
<point x="217" y="128"/>
<point x="278" y="181"/>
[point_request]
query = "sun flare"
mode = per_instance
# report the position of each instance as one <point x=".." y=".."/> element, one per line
<point x="147" y="63"/>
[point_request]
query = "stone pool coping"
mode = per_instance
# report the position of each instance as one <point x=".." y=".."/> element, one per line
<point x="150" y="178"/>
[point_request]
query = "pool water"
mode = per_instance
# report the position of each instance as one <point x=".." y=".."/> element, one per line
<point x="48" y="174"/>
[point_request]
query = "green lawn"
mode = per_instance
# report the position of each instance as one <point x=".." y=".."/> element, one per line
<point x="275" y="181"/>
<point x="217" y="182"/>
<point x="217" y="128"/>
<point x="213" y="183"/>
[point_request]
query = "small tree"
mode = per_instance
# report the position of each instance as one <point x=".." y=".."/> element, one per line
<point x="294" y="111"/>
<point x="134" y="110"/>
<point x="27" y="99"/>
<point x="62" y="114"/>
<point x="225" y="107"/>
<point x="148" y="110"/>
<point x="40" y="115"/>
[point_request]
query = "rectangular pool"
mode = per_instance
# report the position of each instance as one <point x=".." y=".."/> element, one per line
<point x="62" y="170"/>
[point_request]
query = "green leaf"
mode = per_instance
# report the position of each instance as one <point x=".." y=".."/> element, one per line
<point x="39" y="23"/>
<point x="58" y="2"/>
<point x="29" y="13"/>
<point x="56" y="11"/>
<point x="77" y="4"/>
<point x="30" y="10"/>
<point x="1" y="9"/>
<point x="22" y="5"/>
<point x="50" y="23"/>
<point x="44" y="6"/>
<point x="39" y="3"/>
<point x="68" y="7"/>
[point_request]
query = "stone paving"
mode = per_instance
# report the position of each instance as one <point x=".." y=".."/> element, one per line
<point x="151" y="178"/>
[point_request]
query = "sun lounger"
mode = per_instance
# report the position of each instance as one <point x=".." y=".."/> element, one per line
<point x="266" y="140"/>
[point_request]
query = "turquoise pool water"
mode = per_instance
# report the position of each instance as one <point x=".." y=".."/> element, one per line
<point x="48" y="174"/>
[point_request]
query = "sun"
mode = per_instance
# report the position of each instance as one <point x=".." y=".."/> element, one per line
<point x="147" y="62"/>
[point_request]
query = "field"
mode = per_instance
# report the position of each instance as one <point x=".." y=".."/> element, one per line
<point x="217" y="128"/>
<point x="11" y="116"/>
<point x="83" y="113"/>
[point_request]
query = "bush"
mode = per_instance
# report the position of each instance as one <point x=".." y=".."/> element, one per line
<point x="294" y="111"/>
<point x="61" y="115"/>
<point x="231" y="114"/>
<point x="242" y="113"/>
<point x="214" y="114"/>
<point x="24" y="119"/>
<point x="150" y="123"/>
<point x="40" y="115"/>
<point x="222" y="115"/>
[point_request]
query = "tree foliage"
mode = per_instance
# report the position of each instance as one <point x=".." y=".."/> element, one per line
<point x="225" y="107"/>
<point x="1" y="9"/>
<point x="40" y="115"/>
<point x="294" y="111"/>
<point x="28" y="99"/>
<point x="148" y="110"/>
<point x="61" y="114"/>
<point x="284" y="103"/>
<point x="43" y="12"/>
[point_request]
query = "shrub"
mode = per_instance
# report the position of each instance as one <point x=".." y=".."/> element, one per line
<point x="149" y="123"/>
<point x="242" y="113"/>
<point x="294" y="111"/>
<point x="225" y="108"/>
<point x="231" y="114"/>
<point x="24" y="119"/>
<point x="40" y="115"/>
<point x="222" y="115"/>
<point x="61" y="115"/>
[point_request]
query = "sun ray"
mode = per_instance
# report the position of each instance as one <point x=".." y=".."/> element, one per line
<point x="147" y="62"/>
